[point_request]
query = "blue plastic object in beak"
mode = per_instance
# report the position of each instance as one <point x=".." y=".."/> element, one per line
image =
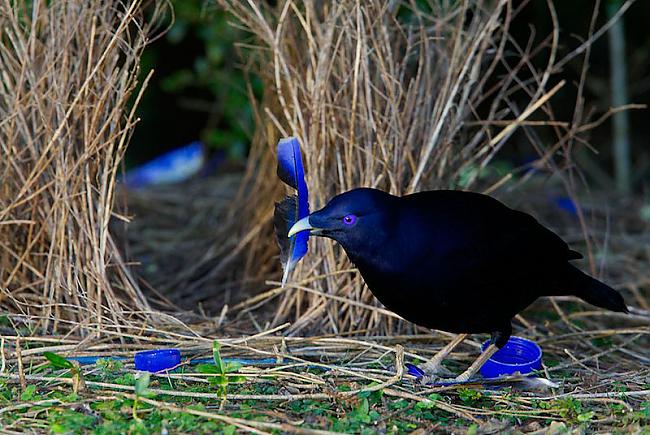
<point x="293" y="208"/>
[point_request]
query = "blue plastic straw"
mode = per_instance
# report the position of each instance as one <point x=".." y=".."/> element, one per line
<point x="87" y="360"/>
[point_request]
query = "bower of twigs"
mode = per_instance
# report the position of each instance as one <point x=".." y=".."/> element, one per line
<point x="381" y="94"/>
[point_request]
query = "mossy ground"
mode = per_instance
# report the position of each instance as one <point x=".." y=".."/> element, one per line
<point x="113" y="400"/>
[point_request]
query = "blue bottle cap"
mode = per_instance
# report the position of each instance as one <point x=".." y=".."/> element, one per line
<point x="518" y="355"/>
<point x="157" y="360"/>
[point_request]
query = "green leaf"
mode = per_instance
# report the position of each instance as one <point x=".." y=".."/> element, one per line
<point x="586" y="416"/>
<point x="398" y="404"/>
<point x="469" y="395"/>
<point x="149" y="394"/>
<point x="373" y="397"/>
<point x="645" y="410"/>
<point x="425" y="405"/>
<point x="216" y="355"/>
<point x="207" y="369"/>
<point x="57" y="428"/>
<point x="28" y="393"/>
<point x="364" y="407"/>
<point x="231" y="367"/>
<point x="5" y="321"/>
<point x="221" y="380"/>
<point x="236" y="379"/>
<point x="142" y="383"/>
<point x="229" y="430"/>
<point x="57" y="361"/>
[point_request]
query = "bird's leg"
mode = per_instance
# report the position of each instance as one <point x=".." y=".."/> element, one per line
<point x="434" y="365"/>
<point x="497" y="341"/>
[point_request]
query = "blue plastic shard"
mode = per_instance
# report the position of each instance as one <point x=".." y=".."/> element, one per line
<point x="565" y="203"/>
<point x="293" y="208"/>
<point x="292" y="172"/>
<point x="414" y="370"/>
<point x="171" y="167"/>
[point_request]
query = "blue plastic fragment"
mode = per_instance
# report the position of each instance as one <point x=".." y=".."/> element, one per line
<point x="291" y="171"/>
<point x="565" y="203"/>
<point x="172" y="167"/>
<point x="518" y="355"/>
<point x="92" y="359"/>
<point x="414" y="370"/>
<point x="157" y="360"/>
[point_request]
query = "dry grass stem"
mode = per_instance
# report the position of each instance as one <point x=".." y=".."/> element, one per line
<point x="69" y="92"/>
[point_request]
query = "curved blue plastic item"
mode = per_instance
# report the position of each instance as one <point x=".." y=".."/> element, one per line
<point x="518" y="355"/>
<point x="157" y="360"/>
<point x="171" y="167"/>
<point x="292" y="172"/>
<point x="414" y="370"/>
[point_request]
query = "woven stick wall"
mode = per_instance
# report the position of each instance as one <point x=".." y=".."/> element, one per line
<point x="69" y="69"/>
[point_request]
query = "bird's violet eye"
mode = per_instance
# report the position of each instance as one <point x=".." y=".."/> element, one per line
<point x="349" y="219"/>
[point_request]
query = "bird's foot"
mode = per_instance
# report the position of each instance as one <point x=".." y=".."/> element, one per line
<point x="463" y="377"/>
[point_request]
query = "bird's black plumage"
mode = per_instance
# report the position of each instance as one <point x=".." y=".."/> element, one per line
<point x="456" y="261"/>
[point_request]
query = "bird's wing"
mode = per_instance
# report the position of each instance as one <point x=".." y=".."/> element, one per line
<point x="534" y="232"/>
<point x="475" y="225"/>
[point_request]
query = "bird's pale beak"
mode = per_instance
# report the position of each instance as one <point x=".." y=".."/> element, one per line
<point x="302" y="225"/>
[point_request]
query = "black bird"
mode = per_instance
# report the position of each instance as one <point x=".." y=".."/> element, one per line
<point x="456" y="261"/>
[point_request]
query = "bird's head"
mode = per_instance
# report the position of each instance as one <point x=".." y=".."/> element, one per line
<point x="359" y="220"/>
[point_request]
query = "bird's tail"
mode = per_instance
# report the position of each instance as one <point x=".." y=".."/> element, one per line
<point x="594" y="291"/>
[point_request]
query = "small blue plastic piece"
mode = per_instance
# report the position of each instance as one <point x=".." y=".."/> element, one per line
<point x="292" y="172"/>
<point x="414" y="370"/>
<point x="157" y="360"/>
<point x="566" y="204"/>
<point x="171" y="167"/>
<point x="518" y="355"/>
